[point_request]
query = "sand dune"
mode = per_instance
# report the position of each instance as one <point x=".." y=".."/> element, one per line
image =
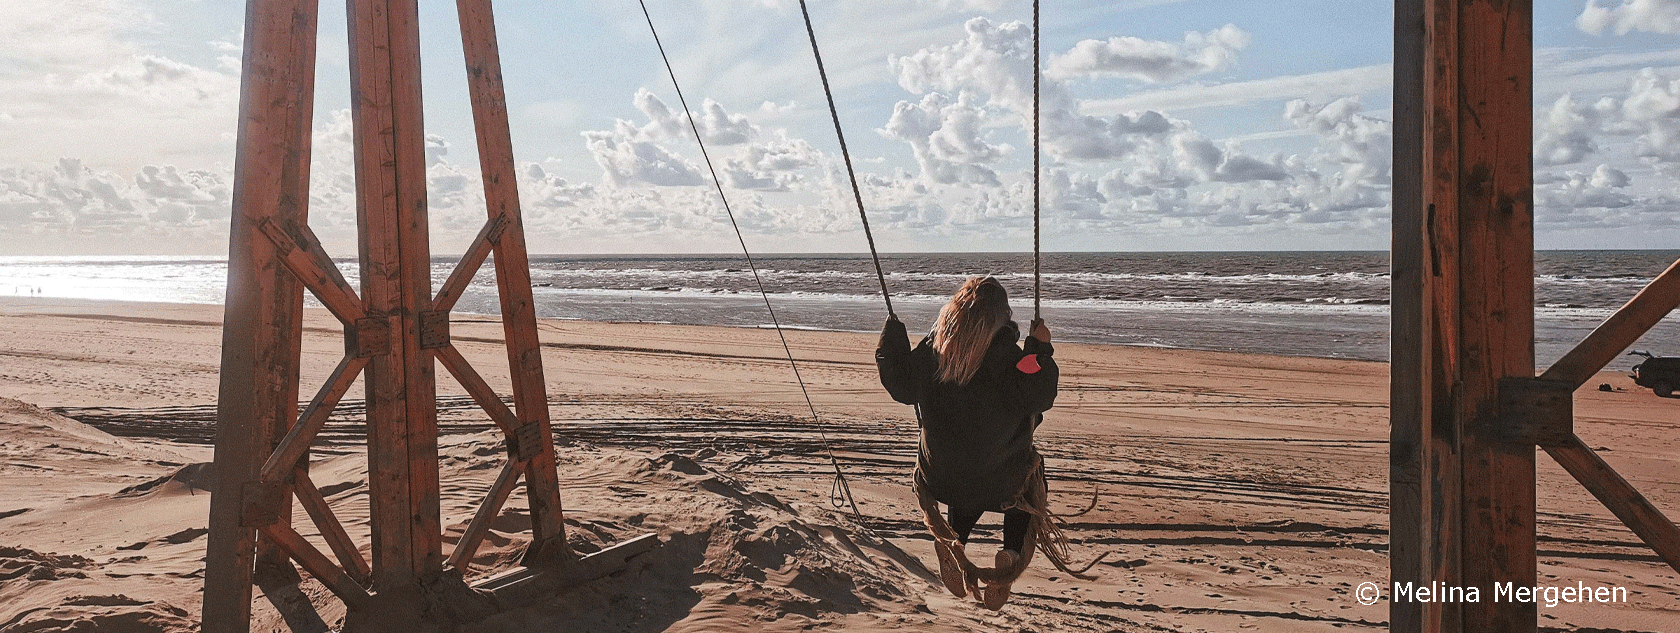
<point x="1239" y="492"/>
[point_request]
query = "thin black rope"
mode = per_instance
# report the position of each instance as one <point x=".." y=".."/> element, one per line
<point x="840" y="494"/>
<point x="1036" y="177"/>
<point x="847" y="155"/>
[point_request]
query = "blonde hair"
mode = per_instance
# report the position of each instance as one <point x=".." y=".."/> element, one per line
<point x="966" y="327"/>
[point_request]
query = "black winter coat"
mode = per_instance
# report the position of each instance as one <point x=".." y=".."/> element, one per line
<point x="977" y="439"/>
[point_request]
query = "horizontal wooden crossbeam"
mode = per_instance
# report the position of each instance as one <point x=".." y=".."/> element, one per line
<point x="470" y="262"/>
<point x="302" y="254"/>
<point x="1620" y="497"/>
<point x="314" y="417"/>
<point x="1632" y="321"/>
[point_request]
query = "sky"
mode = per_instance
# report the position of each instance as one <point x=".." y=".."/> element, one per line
<point x="1167" y="125"/>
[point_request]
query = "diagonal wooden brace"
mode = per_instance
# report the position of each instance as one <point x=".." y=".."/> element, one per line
<point x="464" y="271"/>
<point x="349" y="557"/>
<point x="301" y="252"/>
<point x="1630" y="322"/>
<point x="1622" y="499"/>
<point x="479" y="390"/>
<point x="465" y="548"/>
<point x="296" y="443"/>
<point x="317" y="564"/>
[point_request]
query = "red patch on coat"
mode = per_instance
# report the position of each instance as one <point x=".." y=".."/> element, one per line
<point x="1028" y="364"/>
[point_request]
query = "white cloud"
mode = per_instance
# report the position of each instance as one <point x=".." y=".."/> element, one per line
<point x="1653" y="108"/>
<point x="1656" y="16"/>
<point x="1361" y="146"/>
<point x="1153" y="61"/>
<point x="774" y="165"/>
<point x="1317" y="86"/>
<point x="991" y="69"/>
<point x="160" y="203"/>
<point x="717" y="125"/>
<point x="947" y="138"/>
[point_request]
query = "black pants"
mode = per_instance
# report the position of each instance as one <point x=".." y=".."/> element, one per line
<point x="1015" y="524"/>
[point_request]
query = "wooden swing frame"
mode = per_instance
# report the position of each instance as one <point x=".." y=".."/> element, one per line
<point x="1466" y="408"/>
<point x="395" y="330"/>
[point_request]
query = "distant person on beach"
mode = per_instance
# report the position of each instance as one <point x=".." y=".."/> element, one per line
<point x="979" y="397"/>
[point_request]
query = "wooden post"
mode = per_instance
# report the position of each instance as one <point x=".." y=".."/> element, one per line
<point x="1408" y="415"/>
<point x="396" y="286"/>
<point x="1478" y="511"/>
<point x="1440" y="531"/>
<point x="258" y="392"/>
<point x="513" y="273"/>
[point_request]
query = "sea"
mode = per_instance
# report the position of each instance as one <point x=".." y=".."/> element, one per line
<point x="1322" y="304"/>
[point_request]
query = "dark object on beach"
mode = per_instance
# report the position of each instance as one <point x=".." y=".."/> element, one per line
<point x="1660" y="373"/>
<point x="1605" y="387"/>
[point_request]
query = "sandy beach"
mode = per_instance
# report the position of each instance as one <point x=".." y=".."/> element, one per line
<point x="1236" y="492"/>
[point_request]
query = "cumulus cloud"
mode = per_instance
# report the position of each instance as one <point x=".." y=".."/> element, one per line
<point x="628" y="157"/>
<point x="947" y="138"/>
<point x="632" y="154"/>
<point x="774" y="165"/>
<point x="1564" y="133"/>
<point x="990" y="70"/>
<point x="1161" y="172"/>
<point x="1152" y="61"/>
<point x="1361" y="147"/>
<point x="1655" y="16"/>
<point x="1652" y="108"/>
<point x="717" y="125"/>
<point x="1649" y="111"/>
<point x="77" y="73"/>
<point x="71" y="198"/>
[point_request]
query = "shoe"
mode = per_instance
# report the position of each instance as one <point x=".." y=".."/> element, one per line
<point x="997" y="594"/>
<point x="950" y="571"/>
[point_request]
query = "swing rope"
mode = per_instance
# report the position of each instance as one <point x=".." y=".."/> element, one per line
<point x="1036" y="178"/>
<point x="847" y="155"/>
<point x="840" y="493"/>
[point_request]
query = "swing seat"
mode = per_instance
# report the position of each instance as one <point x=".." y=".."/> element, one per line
<point x="1042" y="534"/>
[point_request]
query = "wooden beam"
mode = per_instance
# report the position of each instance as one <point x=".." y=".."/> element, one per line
<point x="396" y="283"/>
<point x="349" y="557"/>
<point x="523" y="586"/>
<point x="415" y="261"/>
<point x="261" y="307"/>
<point x="479" y="390"/>
<point x="465" y="548"/>
<point x="1494" y="220"/>
<point x="463" y="274"/>
<point x="1441" y="491"/>
<point x="1408" y="413"/>
<point x="296" y="443"/>
<point x="1621" y="498"/>
<point x="303" y="255"/>
<point x="317" y="564"/>
<point x="513" y="273"/>
<point x="1621" y="330"/>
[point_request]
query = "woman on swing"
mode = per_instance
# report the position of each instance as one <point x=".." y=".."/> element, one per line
<point x="979" y="397"/>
